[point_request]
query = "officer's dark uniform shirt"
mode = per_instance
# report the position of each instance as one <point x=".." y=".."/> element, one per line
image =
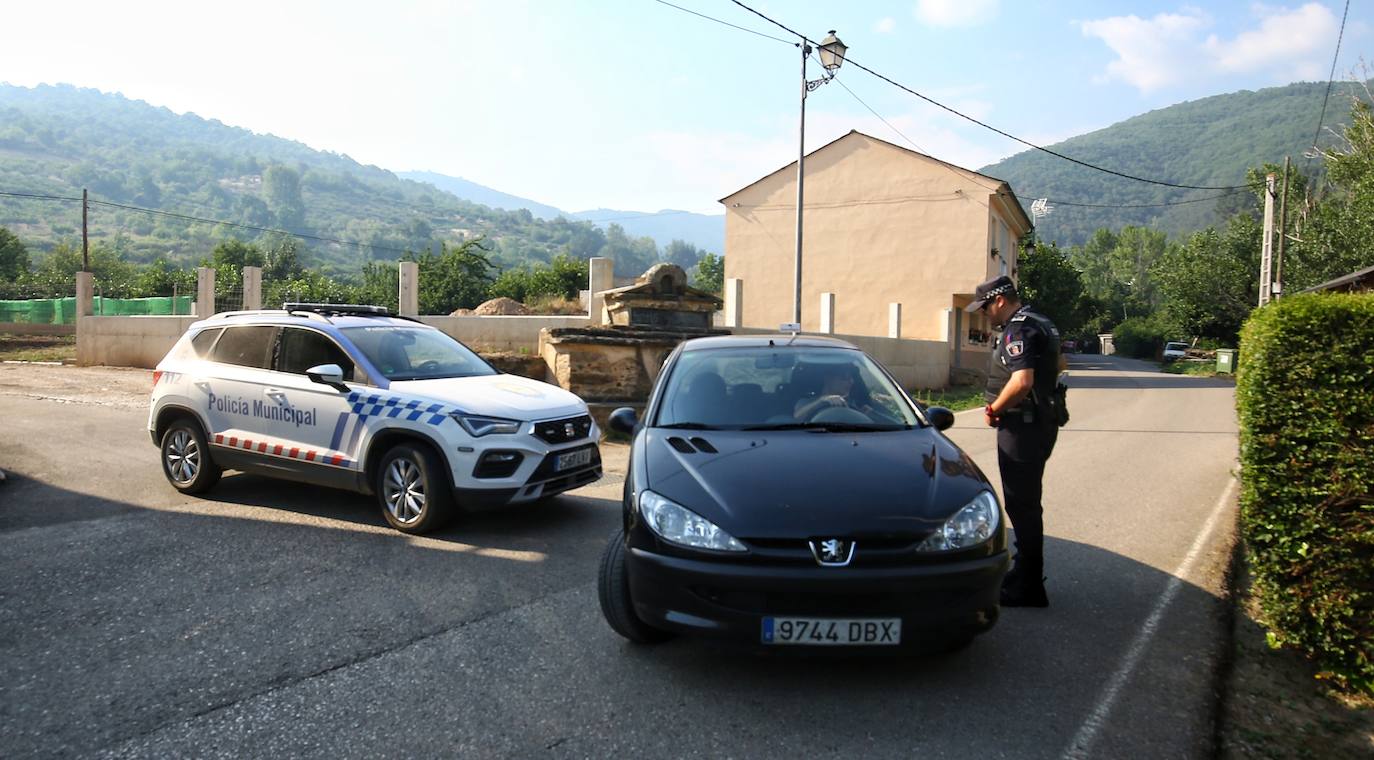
<point x="1029" y="341"/>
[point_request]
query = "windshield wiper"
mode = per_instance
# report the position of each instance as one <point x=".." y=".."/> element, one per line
<point x="827" y="427"/>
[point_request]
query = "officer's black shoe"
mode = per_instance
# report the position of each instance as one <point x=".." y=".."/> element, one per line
<point x="1024" y="593"/>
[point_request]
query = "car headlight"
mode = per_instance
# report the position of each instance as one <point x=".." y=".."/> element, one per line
<point x="675" y="523"/>
<point x="970" y="526"/>
<point x="480" y="426"/>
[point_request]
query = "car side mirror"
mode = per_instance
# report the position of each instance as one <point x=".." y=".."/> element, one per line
<point x="940" y="417"/>
<point x="327" y="374"/>
<point x="623" y="420"/>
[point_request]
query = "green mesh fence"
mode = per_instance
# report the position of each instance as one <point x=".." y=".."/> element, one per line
<point x="62" y="311"/>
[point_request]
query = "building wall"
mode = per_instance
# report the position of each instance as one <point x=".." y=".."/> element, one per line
<point x="882" y="225"/>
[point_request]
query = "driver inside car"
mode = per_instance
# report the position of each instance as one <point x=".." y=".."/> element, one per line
<point x="837" y="390"/>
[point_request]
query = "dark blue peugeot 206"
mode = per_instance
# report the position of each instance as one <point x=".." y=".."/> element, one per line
<point x="785" y="490"/>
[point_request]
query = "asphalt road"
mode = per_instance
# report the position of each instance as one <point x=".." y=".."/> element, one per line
<point x="275" y="619"/>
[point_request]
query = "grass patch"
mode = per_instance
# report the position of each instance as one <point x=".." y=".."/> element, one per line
<point x="1196" y="369"/>
<point x="38" y="348"/>
<point x="1275" y="706"/>
<point x="956" y="398"/>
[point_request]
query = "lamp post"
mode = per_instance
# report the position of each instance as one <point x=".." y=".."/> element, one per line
<point x="832" y="56"/>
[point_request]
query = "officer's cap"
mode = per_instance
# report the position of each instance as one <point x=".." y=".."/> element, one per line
<point x="997" y="286"/>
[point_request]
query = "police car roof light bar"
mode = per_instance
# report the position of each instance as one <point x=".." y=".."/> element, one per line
<point x="338" y="309"/>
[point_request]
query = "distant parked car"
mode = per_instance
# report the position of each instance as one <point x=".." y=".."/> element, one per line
<point x="1069" y="346"/>
<point x="1175" y="350"/>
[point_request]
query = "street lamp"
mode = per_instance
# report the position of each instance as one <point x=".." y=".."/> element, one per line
<point x="832" y="56"/>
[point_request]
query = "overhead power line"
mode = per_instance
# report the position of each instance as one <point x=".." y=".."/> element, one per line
<point x="1329" y="80"/>
<point x="987" y="126"/>
<point x="1051" y="198"/>
<point x="40" y="197"/>
<point x="726" y="23"/>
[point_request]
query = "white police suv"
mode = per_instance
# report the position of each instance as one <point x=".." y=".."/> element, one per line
<point x="352" y="397"/>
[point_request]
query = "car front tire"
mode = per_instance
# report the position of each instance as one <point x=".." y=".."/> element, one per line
<point x="412" y="489"/>
<point x="186" y="458"/>
<point x="613" y="583"/>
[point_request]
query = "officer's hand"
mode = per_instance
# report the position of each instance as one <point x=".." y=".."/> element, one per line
<point x="836" y="400"/>
<point x="990" y="417"/>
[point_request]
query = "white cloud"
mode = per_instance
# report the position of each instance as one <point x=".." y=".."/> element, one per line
<point x="885" y="26"/>
<point x="1169" y="49"/>
<point x="1297" y="36"/>
<point x="1151" y="53"/>
<point x="946" y="13"/>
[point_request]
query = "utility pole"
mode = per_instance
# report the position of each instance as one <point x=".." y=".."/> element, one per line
<point x="1267" y="244"/>
<point x="1283" y="231"/>
<point x="85" y="238"/>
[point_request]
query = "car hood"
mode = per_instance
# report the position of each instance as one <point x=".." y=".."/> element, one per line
<point x="508" y="396"/>
<point x="799" y="484"/>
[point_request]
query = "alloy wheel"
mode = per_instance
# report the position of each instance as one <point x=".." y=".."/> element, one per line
<point x="183" y="456"/>
<point x="404" y="490"/>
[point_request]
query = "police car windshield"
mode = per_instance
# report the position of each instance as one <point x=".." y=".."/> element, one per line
<point x="416" y="353"/>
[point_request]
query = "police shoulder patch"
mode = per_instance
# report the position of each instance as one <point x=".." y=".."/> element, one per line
<point x="1019" y="318"/>
<point x="1015" y="348"/>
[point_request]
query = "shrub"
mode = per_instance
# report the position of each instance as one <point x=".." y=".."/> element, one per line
<point x="1139" y="337"/>
<point x="1307" y="503"/>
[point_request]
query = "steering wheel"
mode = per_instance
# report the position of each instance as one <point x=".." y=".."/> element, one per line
<point x="428" y="365"/>
<point x="839" y="414"/>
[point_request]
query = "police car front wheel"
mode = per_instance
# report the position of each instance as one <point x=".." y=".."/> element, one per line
<point x="186" y="458"/>
<point x="412" y="489"/>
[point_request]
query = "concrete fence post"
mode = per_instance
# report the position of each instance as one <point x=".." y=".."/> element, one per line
<point x="894" y="320"/>
<point x="205" y="292"/>
<point x="600" y="278"/>
<point x="409" y="295"/>
<point x="828" y="313"/>
<point x="85" y="296"/>
<point x="252" y="288"/>
<point x="734" y="303"/>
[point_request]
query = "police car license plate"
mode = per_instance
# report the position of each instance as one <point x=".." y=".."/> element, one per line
<point x="573" y="459"/>
<point x="829" y="632"/>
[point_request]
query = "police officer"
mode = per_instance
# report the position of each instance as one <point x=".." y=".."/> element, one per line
<point x="1022" y="374"/>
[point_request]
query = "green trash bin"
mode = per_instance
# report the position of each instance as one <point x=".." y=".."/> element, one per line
<point x="1226" y="360"/>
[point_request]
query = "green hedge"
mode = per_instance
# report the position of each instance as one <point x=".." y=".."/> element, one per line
<point x="1305" y="395"/>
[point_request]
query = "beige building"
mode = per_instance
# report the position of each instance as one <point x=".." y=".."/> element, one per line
<point x="882" y="225"/>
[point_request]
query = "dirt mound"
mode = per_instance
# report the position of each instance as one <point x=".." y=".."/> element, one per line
<point x="501" y="307"/>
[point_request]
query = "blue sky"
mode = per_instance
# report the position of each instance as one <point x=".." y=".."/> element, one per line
<point x="632" y="104"/>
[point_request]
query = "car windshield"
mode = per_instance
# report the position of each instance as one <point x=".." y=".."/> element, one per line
<point x="416" y="353"/>
<point x="779" y="388"/>
<point x="1177" y="346"/>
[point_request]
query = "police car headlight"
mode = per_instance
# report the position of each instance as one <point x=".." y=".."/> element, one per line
<point x="970" y="526"/>
<point x="480" y="426"/>
<point x="676" y="524"/>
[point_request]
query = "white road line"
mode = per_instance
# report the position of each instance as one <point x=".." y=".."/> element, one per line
<point x="1081" y="746"/>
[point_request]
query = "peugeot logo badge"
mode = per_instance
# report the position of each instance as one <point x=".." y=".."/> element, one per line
<point x="833" y="552"/>
<point x="569" y="430"/>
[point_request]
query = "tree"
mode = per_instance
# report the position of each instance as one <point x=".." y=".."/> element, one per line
<point x="457" y="278"/>
<point x="1211" y="283"/>
<point x="14" y="256"/>
<point x="709" y="274"/>
<point x="682" y="253"/>
<point x="1053" y="285"/>
<point x="1338" y="234"/>
<point x="282" y="185"/>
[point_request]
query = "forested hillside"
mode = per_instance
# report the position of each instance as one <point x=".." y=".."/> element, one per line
<point x="56" y="140"/>
<point x="1208" y="142"/>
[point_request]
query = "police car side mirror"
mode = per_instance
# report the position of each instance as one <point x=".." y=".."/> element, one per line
<point x="940" y="417"/>
<point x="327" y="374"/>
<point x="623" y="420"/>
